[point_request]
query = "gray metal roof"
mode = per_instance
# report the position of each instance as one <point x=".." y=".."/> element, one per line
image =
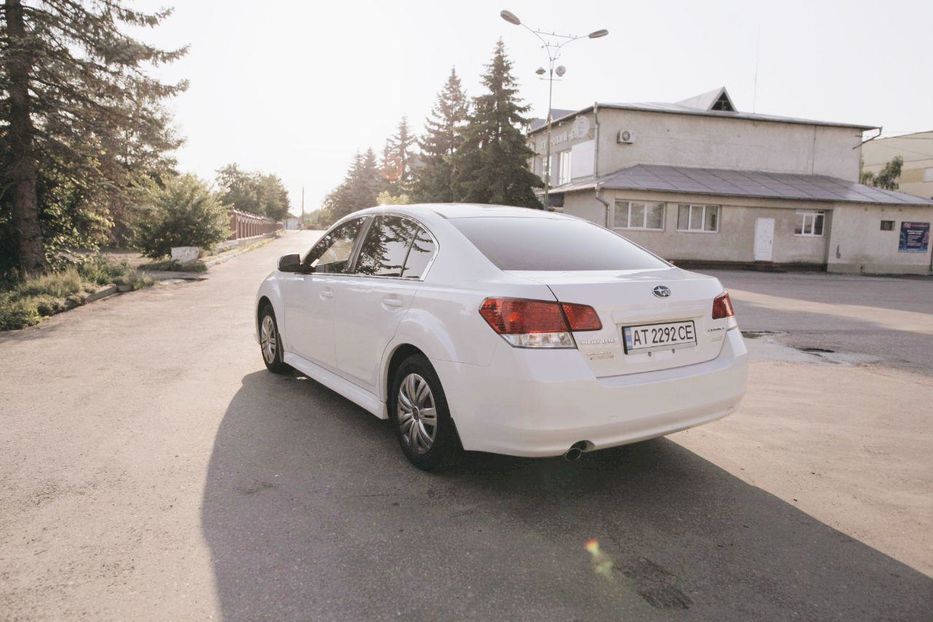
<point x="689" y="107"/>
<point x="749" y="184"/>
<point x="709" y="99"/>
<point x="556" y="115"/>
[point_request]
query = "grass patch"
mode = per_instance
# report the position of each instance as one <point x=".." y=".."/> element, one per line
<point x="26" y="302"/>
<point x="171" y="265"/>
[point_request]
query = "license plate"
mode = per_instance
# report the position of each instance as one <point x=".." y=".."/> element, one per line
<point x="658" y="336"/>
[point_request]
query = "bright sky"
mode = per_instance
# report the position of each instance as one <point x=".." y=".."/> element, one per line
<point x="296" y="88"/>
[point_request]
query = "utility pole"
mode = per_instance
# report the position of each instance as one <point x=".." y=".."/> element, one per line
<point x="552" y="44"/>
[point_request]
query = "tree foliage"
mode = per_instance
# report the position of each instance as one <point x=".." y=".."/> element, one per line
<point x="385" y="198"/>
<point x="398" y="160"/>
<point x="434" y="180"/>
<point x="81" y="121"/>
<point x="469" y="153"/>
<point x="887" y="177"/>
<point x="491" y="165"/>
<point x="360" y="188"/>
<point x="253" y="192"/>
<point x="182" y="213"/>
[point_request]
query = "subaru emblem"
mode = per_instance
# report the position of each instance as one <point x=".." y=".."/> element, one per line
<point x="661" y="292"/>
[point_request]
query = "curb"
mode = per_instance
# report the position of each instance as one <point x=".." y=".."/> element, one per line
<point x="218" y="259"/>
<point x="104" y="292"/>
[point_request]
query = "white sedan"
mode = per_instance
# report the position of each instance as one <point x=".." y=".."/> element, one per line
<point x="502" y="329"/>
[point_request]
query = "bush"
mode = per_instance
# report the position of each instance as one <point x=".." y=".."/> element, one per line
<point x="57" y="284"/>
<point x="26" y="302"/>
<point x="183" y="213"/>
<point x="134" y="280"/>
<point x="100" y="271"/>
<point x="18" y="312"/>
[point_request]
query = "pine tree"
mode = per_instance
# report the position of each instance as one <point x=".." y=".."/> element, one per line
<point x="434" y="180"/>
<point x="398" y="160"/>
<point x="365" y="184"/>
<point x="358" y="190"/>
<point x="79" y="116"/>
<point x="492" y="163"/>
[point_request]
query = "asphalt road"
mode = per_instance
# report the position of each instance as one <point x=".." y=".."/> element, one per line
<point x="150" y="468"/>
<point x="890" y="319"/>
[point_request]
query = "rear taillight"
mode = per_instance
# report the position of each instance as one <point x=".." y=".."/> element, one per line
<point x="722" y="306"/>
<point x="538" y="323"/>
<point x="581" y="317"/>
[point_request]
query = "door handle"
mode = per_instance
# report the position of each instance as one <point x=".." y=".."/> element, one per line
<point x="392" y="302"/>
<point x="327" y="293"/>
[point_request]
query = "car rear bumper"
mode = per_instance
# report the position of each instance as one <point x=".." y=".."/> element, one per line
<point x="540" y="402"/>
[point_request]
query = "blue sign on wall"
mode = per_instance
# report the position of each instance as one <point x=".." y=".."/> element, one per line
<point x="915" y="237"/>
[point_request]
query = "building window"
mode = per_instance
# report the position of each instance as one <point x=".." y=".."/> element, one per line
<point x="887" y="225"/>
<point x="638" y="215"/>
<point x="563" y="168"/>
<point x="809" y="223"/>
<point x="698" y="218"/>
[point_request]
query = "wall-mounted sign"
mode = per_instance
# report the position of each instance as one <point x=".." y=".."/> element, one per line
<point x="580" y="128"/>
<point x="915" y="237"/>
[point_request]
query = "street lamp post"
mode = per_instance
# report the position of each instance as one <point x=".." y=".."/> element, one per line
<point x="552" y="43"/>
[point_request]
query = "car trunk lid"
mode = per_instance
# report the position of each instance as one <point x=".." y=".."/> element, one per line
<point x="627" y="299"/>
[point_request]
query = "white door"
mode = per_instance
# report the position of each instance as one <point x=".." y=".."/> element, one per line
<point x="310" y="298"/>
<point x="764" y="239"/>
<point x="372" y="301"/>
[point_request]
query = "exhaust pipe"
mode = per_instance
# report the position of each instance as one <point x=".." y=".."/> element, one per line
<point x="576" y="450"/>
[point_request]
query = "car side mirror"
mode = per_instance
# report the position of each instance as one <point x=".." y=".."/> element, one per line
<point x="290" y="263"/>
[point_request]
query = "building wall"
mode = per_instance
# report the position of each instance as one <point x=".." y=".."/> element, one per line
<point x="916" y="150"/>
<point x="857" y="244"/>
<point x="692" y="140"/>
<point x="735" y="239"/>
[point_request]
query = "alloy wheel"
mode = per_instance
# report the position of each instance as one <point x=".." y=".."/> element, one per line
<point x="268" y="339"/>
<point x="417" y="413"/>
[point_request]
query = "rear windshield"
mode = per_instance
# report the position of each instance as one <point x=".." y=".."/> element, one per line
<point x="553" y="244"/>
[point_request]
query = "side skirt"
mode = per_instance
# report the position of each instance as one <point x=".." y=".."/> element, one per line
<point x="359" y="396"/>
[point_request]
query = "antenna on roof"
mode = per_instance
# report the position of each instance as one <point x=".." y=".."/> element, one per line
<point x="755" y="88"/>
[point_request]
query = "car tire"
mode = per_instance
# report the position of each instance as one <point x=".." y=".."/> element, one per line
<point x="419" y="413"/>
<point x="270" y="342"/>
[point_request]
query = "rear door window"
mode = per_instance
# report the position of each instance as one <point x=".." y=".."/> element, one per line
<point x="386" y="246"/>
<point x="395" y="247"/>
<point x="553" y="244"/>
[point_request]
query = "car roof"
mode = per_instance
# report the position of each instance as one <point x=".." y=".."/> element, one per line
<point x="462" y="210"/>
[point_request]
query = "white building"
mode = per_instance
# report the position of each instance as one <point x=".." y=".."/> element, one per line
<point x="699" y="182"/>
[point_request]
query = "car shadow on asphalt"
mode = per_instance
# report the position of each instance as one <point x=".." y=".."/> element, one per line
<point x="311" y="512"/>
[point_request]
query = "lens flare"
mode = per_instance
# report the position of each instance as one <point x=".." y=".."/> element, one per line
<point x="602" y="564"/>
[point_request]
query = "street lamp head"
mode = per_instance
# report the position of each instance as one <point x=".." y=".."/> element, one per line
<point x="540" y="71"/>
<point x="596" y="34"/>
<point x="510" y="17"/>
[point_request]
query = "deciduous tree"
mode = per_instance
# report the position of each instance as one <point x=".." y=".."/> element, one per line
<point x="253" y="192"/>
<point x="887" y="177"/>
<point x="182" y="213"/>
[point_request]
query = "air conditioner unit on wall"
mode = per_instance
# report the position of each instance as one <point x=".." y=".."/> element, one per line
<point x="625" y="137"/>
